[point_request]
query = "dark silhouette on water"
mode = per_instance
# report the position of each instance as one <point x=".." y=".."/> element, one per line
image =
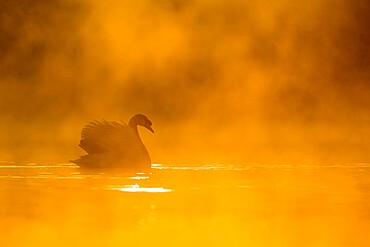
<point x="115" y="145"/>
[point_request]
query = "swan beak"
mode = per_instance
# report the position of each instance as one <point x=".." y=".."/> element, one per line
<point x="150" y="128"/>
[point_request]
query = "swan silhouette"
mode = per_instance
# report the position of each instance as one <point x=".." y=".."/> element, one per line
<point x="115" y="145"/>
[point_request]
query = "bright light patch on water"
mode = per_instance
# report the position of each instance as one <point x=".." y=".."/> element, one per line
<point x="139" y="177"/>
<point x="137" y="188"/>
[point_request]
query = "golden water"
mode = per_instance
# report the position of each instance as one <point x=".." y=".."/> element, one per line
<point x="214" y="205"/>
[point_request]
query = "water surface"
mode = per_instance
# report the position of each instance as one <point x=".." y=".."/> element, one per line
<point x="211" y="205"/>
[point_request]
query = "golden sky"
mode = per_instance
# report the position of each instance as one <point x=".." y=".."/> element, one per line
<point x="221" y="80"/>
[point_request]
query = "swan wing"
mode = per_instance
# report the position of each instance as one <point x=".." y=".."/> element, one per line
<point x="106" y="136"/>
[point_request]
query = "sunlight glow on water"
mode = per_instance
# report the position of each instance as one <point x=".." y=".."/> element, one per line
<point x="259" y="205"/>
<point x="139" y="177"/>
<point x="137" y="188"/>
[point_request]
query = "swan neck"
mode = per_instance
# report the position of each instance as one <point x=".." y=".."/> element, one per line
<point x="133" y="125"/>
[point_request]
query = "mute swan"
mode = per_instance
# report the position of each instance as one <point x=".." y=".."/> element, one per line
<point x="115" y="145"/>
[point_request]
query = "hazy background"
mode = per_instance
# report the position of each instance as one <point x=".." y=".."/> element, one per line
<point x="221" y="80"/>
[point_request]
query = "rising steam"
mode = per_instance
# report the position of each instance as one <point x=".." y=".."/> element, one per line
<point x="223" y="81"/>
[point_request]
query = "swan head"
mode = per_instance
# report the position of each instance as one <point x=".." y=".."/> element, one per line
<point x="141" y="120"/>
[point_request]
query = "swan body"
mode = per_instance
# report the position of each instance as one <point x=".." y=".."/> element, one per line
<point x="115" y="145"/>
